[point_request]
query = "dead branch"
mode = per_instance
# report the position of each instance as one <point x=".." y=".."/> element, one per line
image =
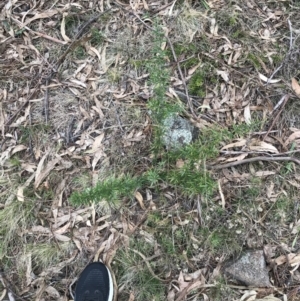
<point x="12" y="118"/>
<point x="291" y="46"/>
<point x="276" y="118"/>
<point x="280" y="102"/>
<point x="149" y="266"/>
<point x="42" y="35"/>
<point x="8" y="286"/>
<point x="184" y="292"/>
<point x="182" y="77"/>
<point x="46" y="102"/>
<point x="70" y="287"/>
<point x="261" y="153"/>
<point x="76" y="40"/>
<point x="255" y="159"/>
<point x="199" y="211"/>
<point x="291" y="35"/>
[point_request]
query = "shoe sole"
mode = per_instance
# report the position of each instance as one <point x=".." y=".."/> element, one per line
<point x="111" y="286"/>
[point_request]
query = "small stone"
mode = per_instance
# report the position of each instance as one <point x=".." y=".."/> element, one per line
<point x="259" y="209"/>
<point x="249" y="269"/>
<point x="178" y="132"/>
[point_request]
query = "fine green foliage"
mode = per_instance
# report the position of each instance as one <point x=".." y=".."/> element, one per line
<point x="191" y="182"/>
<point x="79" y="52"/>
<point x="111" y="190"/>
<point x="200" y="79"/>
<point x="97" y="37"/>
<point x="192" y="177"/>
<point x="70" y="25"/>
<point x="159" y="106"/>
<point x="252" y="58"/>
<point x="15" y="161"/>
<point x="159" y="78"/>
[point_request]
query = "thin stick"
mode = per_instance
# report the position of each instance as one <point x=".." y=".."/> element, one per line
<point x="250" y="160"/>
<point x="89" y="22"/>
<point x="42" y="35"/>
<point x="278" y="104"/>
<point x="163" y="7"/>
<point x="276" y="70"/>
<point x="291" y="35"/>
<point x="8" y="286"/>
<point x="119" y="121"/>
<point x="142" y="219"/>
<point x="182" y="78"/>
<point x="70" y="287"/>
<point x="199" y="211"/>
<point x="46" y="102"/>
<point x="253" y="152"/>
<point x="78" y="35"/>
<point x="184" y="292"/>
<point x="291" y="46"/>
<point x="149" y="266"/>
<point x="275" y="119"/>
<point x="11" y="119"/>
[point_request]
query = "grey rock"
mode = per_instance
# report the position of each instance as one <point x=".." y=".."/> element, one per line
<point x="177" y="132"/>
<point x="249" y="269"/>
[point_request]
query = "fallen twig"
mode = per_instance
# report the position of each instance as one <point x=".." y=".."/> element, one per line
<point x="46" y="102"/>
<point x="42" y="35"/>
<point x="291" y="46"/>
<point x="275" y="119"/>
<point x="7" y="285"/>
<point x="119" y="121"/>
<point x="182" y="78"/>
<point x="75" y="42"/>
<point x="12" y="118"/>
<point x="70" y="287"/>
<point x="291" y="35"/>
<point x="163" y="7"/>
<point x="280" y="102"/>
<point x="69" y="131"/>
<point x="85" y="26"/>
<point x="261" y="153"/>
<point x="276" y="70"/>
<point x="149" y="266"/>
<point x="199" y="211"/>
<point x="255" y="159"/>
<point x="184" y="292"/>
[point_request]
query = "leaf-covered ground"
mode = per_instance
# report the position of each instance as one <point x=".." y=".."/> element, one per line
<point x="82" y="84"/>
